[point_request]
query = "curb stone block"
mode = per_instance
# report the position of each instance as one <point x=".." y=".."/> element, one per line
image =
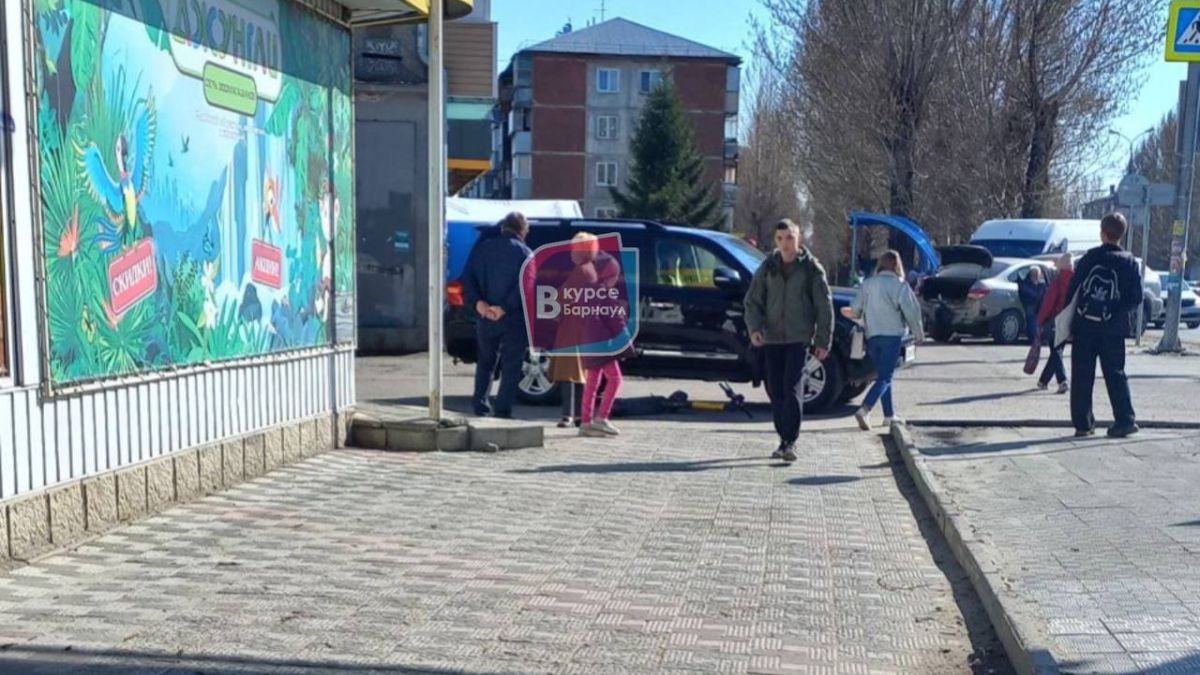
<point x="412" y="438"/>
<point x="344" y="423"/>
<point x="325" y="433"/>
<point x="100" y="496"/>
<point x="1021" y="636"/>
<point x="4" y="555"/>
<point x="187" y="475"/>
<point x="66" y="514"/>
<point x="454" y="439"/>
<point x="255" y="461"/>
<point x="160" y="483"/>
<point x="131" y="493"/>
<point x="272" y="449"/>
<point x="372" y="438"/>
<point x="291" y="444"/>
<point x="29" y="526"/>
<point x="211" y="466"/>
<point x="234" y="459"/>
<point x="507" y="437"/>
<point x="308" y="438"/>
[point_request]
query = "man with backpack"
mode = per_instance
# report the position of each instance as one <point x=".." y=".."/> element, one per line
<point x="1108" y="282"/>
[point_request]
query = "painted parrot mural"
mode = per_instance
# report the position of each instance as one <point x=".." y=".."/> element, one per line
<point x="122" y="191"/>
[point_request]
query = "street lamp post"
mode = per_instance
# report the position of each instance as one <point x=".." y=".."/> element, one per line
<point x="437" y="205"/>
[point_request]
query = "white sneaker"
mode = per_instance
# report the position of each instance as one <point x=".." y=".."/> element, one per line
<point x="606" y="427"/>
<point x="889" y="422"/>
<point x="590" y="431"/>
<point x="863" y="416"/>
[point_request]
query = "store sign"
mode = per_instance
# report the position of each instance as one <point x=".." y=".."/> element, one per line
<point x="224" y="33"/>
<point x="267" y="266"/>
<point x="132" y="276"/>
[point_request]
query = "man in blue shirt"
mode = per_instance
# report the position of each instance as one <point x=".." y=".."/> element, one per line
<point x="493" y="285"/>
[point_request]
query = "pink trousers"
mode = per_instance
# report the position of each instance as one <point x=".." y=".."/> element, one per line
<point x="611" y="374"/>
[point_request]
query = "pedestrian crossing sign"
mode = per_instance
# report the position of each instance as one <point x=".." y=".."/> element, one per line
<point x="1183" y="31"/>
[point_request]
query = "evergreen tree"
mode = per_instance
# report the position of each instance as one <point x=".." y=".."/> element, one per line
<point x="666" y="179"/>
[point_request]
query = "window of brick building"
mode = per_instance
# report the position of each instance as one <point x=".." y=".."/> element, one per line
<point x="607" y="127"/>
<point x="606" y="174"/>
<point x="608" y="80"/>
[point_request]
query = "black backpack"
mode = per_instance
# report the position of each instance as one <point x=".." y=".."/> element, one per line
<point x="1099" y="295"/>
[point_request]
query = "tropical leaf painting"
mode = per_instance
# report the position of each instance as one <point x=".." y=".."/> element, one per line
<point x="190" y="228"/>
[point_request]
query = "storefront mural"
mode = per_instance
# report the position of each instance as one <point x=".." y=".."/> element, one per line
<point x="196" y="182"/>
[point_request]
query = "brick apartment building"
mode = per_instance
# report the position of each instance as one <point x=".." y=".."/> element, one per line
<point x="568" y="106"/>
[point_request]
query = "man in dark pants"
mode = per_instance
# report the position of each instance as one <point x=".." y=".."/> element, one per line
<point x="789" y="311"/>
<point x="493" y="285"/>
<point x="1109" y="286"/>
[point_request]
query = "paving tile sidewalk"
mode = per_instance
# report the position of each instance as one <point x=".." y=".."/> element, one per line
<point x="1095" y="543"/>
<point x="678" y="548"/>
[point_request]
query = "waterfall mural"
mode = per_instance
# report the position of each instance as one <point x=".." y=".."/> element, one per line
<point x="196" y="182"/>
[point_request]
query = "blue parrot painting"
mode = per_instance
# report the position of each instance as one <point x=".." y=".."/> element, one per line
<point x="121" y="193"/>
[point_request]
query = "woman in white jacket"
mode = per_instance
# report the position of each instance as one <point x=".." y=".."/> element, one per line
<point x="886" y="305"/>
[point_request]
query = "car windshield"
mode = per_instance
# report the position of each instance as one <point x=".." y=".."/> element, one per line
<point x="745" y="253"/>
<point x="1012" y="248"/>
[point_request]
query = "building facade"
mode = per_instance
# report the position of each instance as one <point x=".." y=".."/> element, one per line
<point x="177" y="265"/>
<point x="568" y="108"/>
<point x="391" y="95"/>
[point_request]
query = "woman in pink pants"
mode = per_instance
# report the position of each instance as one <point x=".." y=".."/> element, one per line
<point x="595" y="269"/>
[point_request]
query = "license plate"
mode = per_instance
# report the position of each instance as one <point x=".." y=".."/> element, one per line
<point x="910" y="353"/>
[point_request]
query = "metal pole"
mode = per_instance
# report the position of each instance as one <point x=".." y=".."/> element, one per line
<point x="853" y="250"/>
<point x="1142" y="318"/>
<point x="437" y="205"/>
<point x="1189" y="119"/>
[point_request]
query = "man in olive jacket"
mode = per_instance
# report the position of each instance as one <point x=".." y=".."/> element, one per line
<point x="789" y="311"/>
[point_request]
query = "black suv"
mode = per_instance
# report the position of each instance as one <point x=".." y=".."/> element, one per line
<point x="691" y="317"/>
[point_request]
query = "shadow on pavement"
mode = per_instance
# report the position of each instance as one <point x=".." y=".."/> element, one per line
<point x="24" y="658"/>
<point x="963" y="400"/>
<point x="1188" y="523"/>
<point x="1067" y="441"/>
<point x="648" y="467"/>
<point x="942" y="364"/>
<point x="816" y="481"/>
<point x="988" y="656"/>
<point x="1176" y="666"/>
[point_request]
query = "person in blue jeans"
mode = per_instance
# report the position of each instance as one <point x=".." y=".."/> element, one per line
<point x="886" y="305"/>
<point x="493" y="286"/>
<point x="1032" y="292"/>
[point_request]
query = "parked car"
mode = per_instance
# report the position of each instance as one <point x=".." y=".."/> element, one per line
<point x="976" y="294"/>
<point x="691" y="325"/>
<point x="1189" y="314"/>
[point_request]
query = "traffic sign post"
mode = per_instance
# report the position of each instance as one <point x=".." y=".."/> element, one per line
<point x="1183" y="44"/>
<point x="1140" y="195"/>
<point x="1183" y="31"/>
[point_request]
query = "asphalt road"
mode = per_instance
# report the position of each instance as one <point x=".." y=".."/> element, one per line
<point x="975" y="381"/>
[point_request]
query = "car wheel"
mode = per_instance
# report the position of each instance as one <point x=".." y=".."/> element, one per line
<point x="535" y="387"/>
<point x="1006" y="329"/>
<point x="1159" y="325"/>
<point x="824" y="382"/>
<point x="943" y="334"/>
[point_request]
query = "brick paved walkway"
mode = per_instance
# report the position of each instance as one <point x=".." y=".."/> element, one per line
<point x="1097" y="542"/>
<point x="676" y="549"/>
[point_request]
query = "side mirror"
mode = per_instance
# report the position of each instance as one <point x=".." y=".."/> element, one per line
<point x="727" y="280"/>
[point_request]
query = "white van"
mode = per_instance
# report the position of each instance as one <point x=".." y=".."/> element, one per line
<point x="1021" y="238"/>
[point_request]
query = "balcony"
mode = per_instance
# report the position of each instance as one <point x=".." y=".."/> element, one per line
<point x="728" y="194"/>
<point x="731" y="150"/>
<point x="522" y="97"/>
<point x="522" y="143"/>
<point x="522" y="188"/>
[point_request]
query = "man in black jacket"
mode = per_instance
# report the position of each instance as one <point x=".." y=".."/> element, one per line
<point x="493" y="285"/>
<point x="1108" y="282"/>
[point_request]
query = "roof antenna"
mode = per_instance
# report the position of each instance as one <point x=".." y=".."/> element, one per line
<point x="601" y="10"/>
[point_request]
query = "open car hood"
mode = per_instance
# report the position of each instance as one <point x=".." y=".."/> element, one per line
<point x="974" y="255"/>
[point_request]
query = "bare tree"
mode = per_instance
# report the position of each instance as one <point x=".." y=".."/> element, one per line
<point x="768" y="175"/>
<point x="1073" y="64"/>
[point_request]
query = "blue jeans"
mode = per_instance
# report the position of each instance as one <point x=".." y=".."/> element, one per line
<point x="884" y="351"/>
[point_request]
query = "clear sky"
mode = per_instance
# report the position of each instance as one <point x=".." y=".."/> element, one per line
<point x="726" y="25"/>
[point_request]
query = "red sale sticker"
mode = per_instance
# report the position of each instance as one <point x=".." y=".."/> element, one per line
<point x="132" y="276"/>
<point x="267" y="264"/>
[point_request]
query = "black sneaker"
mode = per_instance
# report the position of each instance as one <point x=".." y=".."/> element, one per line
<point x="778" y="454"/>
<point x="1084" y="433"/>
<point x="1123" y="432"/>
<point x="789" y="453"/>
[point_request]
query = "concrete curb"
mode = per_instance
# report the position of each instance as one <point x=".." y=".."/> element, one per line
<point x="1042" y="424"/>
<point x="409" y="434"/>
<point x="1021" y="633"/>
